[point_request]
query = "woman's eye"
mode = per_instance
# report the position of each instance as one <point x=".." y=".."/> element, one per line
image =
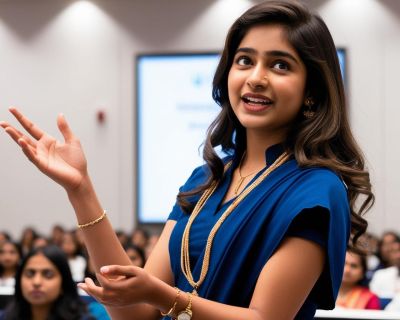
<point x="280" y="65"/>
<point x="29" y="273"/>
<point x="48" y="274"/>
<point x="243" y="61"/>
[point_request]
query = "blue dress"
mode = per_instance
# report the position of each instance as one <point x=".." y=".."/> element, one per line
<point x="311" y="203"/>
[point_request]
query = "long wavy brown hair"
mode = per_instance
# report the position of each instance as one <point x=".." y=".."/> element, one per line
<point x="325" y="140"/>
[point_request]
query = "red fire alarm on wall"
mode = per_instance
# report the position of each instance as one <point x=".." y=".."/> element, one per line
<point x="101" y="116"/>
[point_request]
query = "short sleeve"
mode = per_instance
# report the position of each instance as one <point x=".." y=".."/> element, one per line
<point x="321" y="190"/>
<point x="310" y="224"/>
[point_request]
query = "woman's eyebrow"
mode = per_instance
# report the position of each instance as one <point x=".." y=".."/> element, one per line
<point x="272" y="53"/>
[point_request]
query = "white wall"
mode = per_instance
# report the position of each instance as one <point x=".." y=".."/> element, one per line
<point x="77" y="57"/>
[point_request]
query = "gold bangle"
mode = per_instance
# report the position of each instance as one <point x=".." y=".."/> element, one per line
<point x="187" y="313"/>
<point x="85" y="225"/>
<point x="171" y="311"/>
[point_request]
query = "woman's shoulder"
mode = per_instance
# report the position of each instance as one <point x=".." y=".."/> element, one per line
<point x="200" y="175"/>
<point x="322" y="177"/>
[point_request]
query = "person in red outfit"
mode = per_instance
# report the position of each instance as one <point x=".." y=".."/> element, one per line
<point x="352" y="293"/>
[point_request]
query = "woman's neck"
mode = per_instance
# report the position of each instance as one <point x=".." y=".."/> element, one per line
<point x="257" y="143"/>
<point x="345" y="289"/>
<point x="8" y="273"/>
<point x="40" y="312"/>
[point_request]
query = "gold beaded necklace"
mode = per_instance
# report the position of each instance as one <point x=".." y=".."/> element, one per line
<point x="185" y="257"/>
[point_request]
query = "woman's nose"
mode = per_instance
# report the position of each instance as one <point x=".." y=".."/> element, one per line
<point x="37" y="280"/>
<point x="258" y="78"/>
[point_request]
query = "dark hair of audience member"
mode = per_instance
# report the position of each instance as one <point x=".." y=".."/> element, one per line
<point x="17" y="249"/>
<point x="363" y="262"/>
<point x="384" y="246"/>
<point x="136" y="254"/>
<point x="68" y="305"/>
<point x="4" y="236"/>
<point x="28" y="235"/>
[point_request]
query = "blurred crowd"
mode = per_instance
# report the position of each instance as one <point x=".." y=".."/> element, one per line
<point x="31" y="265"/>
<point x="371" y="277"/>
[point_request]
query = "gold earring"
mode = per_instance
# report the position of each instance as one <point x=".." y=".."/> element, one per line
<point x="308" y="112"/>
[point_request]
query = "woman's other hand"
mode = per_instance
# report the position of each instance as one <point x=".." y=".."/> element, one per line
<point x="64" y="162"/>
<point x="121" y="286"/>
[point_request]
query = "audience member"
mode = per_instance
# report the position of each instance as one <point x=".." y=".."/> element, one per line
<point x="57" y="233"/>
<point x="76" y="261"/>
<point x="139" y="238"/>
<point x="44" y="289"/>
<point x="386" y="282"/>
<point x="28" y="235"/>
<point x="10" y="256"/>
<point x="4" y="236"/>
<point x="40" y="241"/>
<point x="384" y="247"/>
<point x="136" y="254"/>
<point x="122" y="237"/>
<point x="353" y="293"/>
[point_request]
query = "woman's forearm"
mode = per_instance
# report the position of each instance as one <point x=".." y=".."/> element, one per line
<point x="102" y="243"/>
<point x="100" y="238"/>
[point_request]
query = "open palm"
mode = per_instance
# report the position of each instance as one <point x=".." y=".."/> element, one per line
<point x="64" y="162"/>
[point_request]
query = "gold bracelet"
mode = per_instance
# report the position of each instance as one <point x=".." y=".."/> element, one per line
<point x="187" y="313"/>
<point x="171" y="311"/>
<point x="85" y="225"/>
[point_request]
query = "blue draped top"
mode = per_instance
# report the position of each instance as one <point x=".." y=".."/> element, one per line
<point x="307" y="202"/>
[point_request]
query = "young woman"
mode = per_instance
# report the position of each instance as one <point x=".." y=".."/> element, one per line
<point x="10" y="257"/>
<point x="354" y="293"/>
<point x="77" y="263"/>
<point x="44" y="289"/>
<point x="230" y="248"/>
<point x="136" y="254"/>
<point x="28" y="236"/>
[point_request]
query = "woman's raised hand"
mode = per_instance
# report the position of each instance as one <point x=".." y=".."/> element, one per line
<point x="64" y="162"/>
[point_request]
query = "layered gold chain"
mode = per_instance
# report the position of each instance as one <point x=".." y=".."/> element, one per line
<point x="185" y="257"/>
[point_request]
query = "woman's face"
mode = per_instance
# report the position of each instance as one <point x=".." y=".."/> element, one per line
<point x="9" y="256"/>
<point x="135" y="257"/>
<point x="266" y="82"/>
<point x="41" y="282"/>
<point x="353" y="270"/>
<point x="68" y="244"/>
<point x="386" y="246"/>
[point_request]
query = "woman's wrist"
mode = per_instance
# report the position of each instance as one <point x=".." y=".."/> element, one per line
<point x="167" y="298"/>
<point x="84" y="189"/>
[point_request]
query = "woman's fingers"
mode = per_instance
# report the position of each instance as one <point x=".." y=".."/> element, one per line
<point x="116" y="270"/>
<point x="28" y="125"/>
<point x="91" y="289"/>
<point x="15" y="134"/>
<point x="64" y="128"/>
<point x="29" y="152"/>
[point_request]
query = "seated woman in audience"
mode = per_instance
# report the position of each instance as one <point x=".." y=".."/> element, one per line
<point x="353" y="293"/>
<point x="139" y="237"/>
<point x="57" y="233"/>
<point x="4" y="236"/>
<point x="40" y="241"/>
<point x="385" y="283"/>
<point x="136" y="255"/>
<point x="28" y="236"/>
<point x="76" y="261"/>
<point x="384" y="248"/>
<point x="44" y="289"/>
<point x="10" y="256"/>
